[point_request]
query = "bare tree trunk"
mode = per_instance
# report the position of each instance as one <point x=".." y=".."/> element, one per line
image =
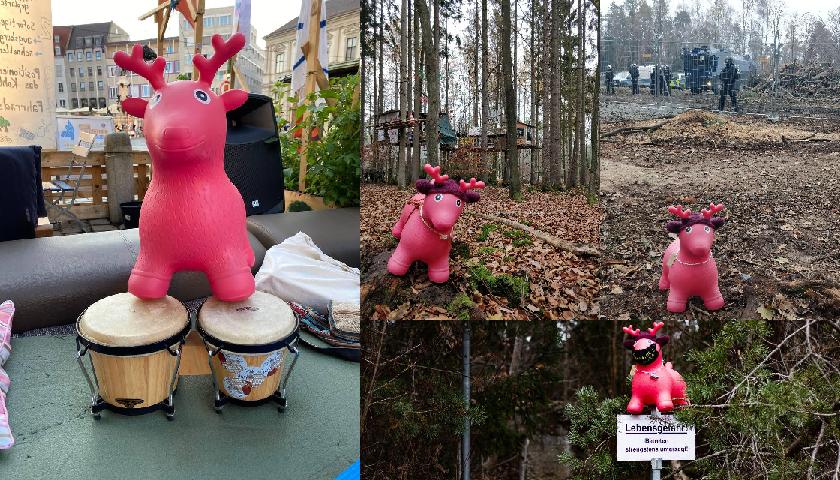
<point x="557" y="170"/>
<point x="485" y="107"/>
<point x="477" y="91"/>
<point x="401" y="153"/>
<point x="418" y="93"/>
<point x="510" y="103"/>
<point x="594" y="183"/>
<point x="409" y="76"/>
<point x="433" y="83"/>
<point x="532" y="118"/>
<point x="583" y="166"/>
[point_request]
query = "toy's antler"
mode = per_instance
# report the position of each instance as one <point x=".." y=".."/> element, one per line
<point x="153" y="72"/>
<point x="473" y="185"/>
<point x="630" y="331"/>
<point x="223" y="51"/>
<point x="678" y="211"/>
<point x="656" y="327"/>
<point x="434" y="172"/>
<point x="713" y="209"/>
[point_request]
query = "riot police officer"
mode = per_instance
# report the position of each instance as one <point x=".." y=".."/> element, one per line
<point x="609" y="78"/>
<point x="634" y="78"/>
<point x="728" y="77"/>
<point x="653" y="74"/>
<point x="666" y="73"/>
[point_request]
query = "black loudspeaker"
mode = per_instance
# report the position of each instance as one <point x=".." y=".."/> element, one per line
<point x="252" y="155"/>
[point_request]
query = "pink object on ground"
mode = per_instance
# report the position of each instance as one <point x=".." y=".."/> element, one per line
<point x="425" y="225"/>
<point x="688" y="267"/>
<point x="193" y="217"/>
<point x="7" y="312"/>
<point x="654" y="383"/>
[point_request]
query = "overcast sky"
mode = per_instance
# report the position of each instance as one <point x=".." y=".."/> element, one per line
<point x="817" y="7"/>
<point x="266" y="15"/>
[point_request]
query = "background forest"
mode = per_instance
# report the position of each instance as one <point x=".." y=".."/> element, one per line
<point x="766" y="399"/>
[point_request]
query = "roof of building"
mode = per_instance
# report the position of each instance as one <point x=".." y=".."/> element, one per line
<point x="63" y="33"/>
<point x="334" y="9"/>
<point x="145" y="41"/>
<point x="89" y="30"/>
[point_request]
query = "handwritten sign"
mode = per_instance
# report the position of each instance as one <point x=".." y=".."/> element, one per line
<point x="27" y="74"/>
<point x="645" y="437"/>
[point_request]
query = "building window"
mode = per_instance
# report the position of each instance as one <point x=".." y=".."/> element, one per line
<point x="75" y="102"/>
<point x="90" y="71"/>
<point x="72" y="73"/>
<point x="99" y="54"/>
<point x="60" y="87"/>
<point x="88" y="41"/>
<point x="279" y="62"/>
<point x="56" y="39"/>
<point x="73" y="87"/>
<point x="99" y="70"/>
<point x="102" y="102"/>
<point x="112" y="92"/>
<point x="70" y="57"/>
<point x="62" y="104"/>
<point x="350" y="53"/>
<point x="176" y="68"/>
<point x="57" y="51"/>
<point x="90" y="86"/>
<point x="78" y="56"/>
<point x="170" y="49"/>
<point x="82" y="86"/>
<point x="81" y="72"/>
<point x="88" y="56"/>
<point x="145" y="91"/>
<point x="97" y="41"/>
<point x="225" y="20"/>
<point x="112" y="70"/>
<point x="92" y="102"/>
<point x="100" y="85"/>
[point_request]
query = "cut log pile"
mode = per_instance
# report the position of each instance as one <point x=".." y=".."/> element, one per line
<point x="805" y="80"/>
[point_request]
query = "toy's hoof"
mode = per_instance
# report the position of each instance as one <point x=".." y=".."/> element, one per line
<point x="397" y="268"/>
<point x="147" y="287"/>
<point x="675" y="307"/>
<point x="234" y="288"/>
<point x="664" y="284"/>
<point x="440" y="276"/>
<point x="715" y="304"/>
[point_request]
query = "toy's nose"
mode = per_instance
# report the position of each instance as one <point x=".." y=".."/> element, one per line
<point x="176" y="133"/>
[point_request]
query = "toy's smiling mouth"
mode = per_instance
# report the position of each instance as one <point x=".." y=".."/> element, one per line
<point x="180" y="148"/>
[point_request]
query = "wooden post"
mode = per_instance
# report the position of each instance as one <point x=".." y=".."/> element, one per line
<point x="118" y="167"/>
<point x="199" y="34"/>
<point x="313" y="67"/>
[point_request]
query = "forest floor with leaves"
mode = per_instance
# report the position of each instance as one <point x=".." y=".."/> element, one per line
<point x="777" y="254"/>
<point x="496" y="271"/>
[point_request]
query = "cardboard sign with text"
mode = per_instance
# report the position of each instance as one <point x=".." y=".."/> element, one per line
<point x="645" y="437"/>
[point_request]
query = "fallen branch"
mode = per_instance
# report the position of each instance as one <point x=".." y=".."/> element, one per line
<point x="578" y="249"/>
<point x="633" y="129"/>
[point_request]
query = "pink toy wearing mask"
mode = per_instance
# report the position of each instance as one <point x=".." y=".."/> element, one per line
<point x="688" y="267"/>
<point x="193" y="217"/>
<point x="654" y="382"/>
<point x="425" y="225"/>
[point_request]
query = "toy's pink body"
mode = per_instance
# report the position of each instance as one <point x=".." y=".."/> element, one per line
<point x="688" y="267"/>
<point x="424" y="228"/>
<point x="193" y="217"/>
<point x="418" y="242"/>
<point x="655" y="383"/>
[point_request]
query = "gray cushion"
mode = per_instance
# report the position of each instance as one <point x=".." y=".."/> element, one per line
<point x="52" y="280"/>
<point x="335" y="231"/>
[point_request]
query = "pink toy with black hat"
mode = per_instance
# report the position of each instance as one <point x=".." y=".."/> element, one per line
<point x="425" y="225"/>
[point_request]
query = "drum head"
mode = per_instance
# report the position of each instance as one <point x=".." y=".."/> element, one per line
<point x="262" y="318"/>
<point x="123" y="320"/>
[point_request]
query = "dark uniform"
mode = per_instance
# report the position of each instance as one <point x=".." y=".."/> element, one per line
<point x="634" y="79"/>
<point x="667" y="74"/>
<point x="653" y="79"/>
<point x="728" y="76"/>
<point x="609" y="78"/>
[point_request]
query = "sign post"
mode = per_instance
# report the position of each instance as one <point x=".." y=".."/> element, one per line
<point x="653" y="438"/>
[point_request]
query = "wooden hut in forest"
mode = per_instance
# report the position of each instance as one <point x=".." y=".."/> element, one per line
<point x="497" y="137"/>
<point x="389" y="126"/>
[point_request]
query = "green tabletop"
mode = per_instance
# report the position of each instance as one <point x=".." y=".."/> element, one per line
<point x="317" y="436"/>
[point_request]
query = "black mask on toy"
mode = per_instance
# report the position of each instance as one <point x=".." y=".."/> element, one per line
<point x="646" y="356"/>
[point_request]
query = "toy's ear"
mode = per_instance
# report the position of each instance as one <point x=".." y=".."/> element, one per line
<point x="136" y="107"/>
<point x="674" y="226"/>
<point x="234" y="99"/>
<point x="718" y="222"/>
<point x="663" y="340"/>
<point x="628" y="344"/>
<point x="423" y="185"/>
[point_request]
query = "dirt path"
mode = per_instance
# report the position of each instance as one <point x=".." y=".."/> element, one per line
<point x="779" y="253"/>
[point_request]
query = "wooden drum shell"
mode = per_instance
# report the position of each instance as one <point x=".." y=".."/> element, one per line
<point x="258" y="392"/>
<point x="124" y="380"/>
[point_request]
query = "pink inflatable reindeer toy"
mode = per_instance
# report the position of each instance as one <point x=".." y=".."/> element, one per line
<point x="193" y="217"/>
<point x="425" y="225"/>
<point x="654" y="383"/>
<point x="688" y="267"/>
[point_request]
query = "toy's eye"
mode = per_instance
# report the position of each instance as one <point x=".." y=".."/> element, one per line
<point x="155" y="100"/>
<point x="687" y="229"/>
<point x="707" y="229"/>
<point x="458" y="202"/>
<point x="438" y="197"/>
<point x="202" y="96"/>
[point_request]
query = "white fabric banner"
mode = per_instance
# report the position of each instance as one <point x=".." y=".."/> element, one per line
<point x="299" y="67"/>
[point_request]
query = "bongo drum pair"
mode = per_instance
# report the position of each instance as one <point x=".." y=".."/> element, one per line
<point x="136" y="345"/>
<point x="135" y="352"/>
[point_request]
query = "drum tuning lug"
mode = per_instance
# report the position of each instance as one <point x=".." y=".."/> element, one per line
<point x="170" y="416"/>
